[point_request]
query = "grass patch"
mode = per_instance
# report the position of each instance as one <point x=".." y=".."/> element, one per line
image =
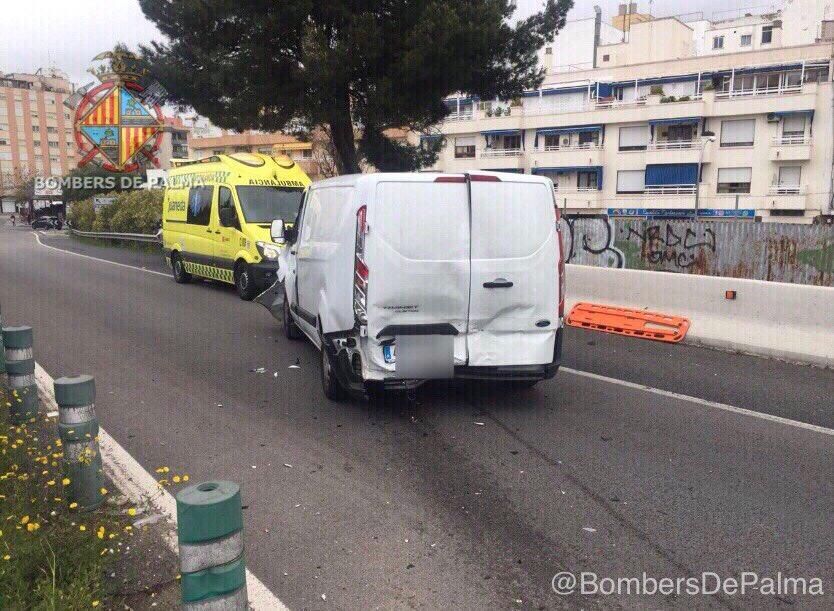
<point x="51" y="555"/>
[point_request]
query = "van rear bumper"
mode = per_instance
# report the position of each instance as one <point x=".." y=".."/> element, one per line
<point x="519" y="373"/>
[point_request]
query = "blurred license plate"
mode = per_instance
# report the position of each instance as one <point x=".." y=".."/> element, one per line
<point x="424" y="356"/>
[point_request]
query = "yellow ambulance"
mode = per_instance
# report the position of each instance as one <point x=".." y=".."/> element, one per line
<point x="217" y="213"/>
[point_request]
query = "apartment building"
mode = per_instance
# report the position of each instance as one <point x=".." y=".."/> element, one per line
<point x="36" y="131"/>
<point x="745" y="134"/>
<point x="207" y="140"/>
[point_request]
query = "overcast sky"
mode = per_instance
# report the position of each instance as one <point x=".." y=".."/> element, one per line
<point x="67" y="34"/>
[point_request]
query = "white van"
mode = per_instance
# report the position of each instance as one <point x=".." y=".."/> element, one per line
<point x="400" y="278"/>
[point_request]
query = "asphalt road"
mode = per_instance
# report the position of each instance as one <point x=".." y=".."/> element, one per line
<point x="471" y="499"/>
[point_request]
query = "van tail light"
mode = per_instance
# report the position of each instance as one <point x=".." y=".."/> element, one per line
<point x="561" y="272"/>
<point x="360" y="270"/>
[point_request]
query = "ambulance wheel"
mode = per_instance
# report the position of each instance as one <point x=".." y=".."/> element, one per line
<point x="178" y="269"/>
<point x="330" y="384"/>
<point x="291" y="330"/>
<point x="244" y="283"/>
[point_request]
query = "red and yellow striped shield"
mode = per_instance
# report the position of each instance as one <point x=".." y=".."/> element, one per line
<point x="131" y="140"/>
<point x="106" y="112"/>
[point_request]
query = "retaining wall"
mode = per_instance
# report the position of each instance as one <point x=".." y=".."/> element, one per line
<point x="790" y="321"/>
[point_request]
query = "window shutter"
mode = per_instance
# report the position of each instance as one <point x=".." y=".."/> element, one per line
<point x="793" y="124"/>
<point x="630" y="180"/>
<point x="637" y="135"/>
<point x="738" y="132"/>
<point x="789" y="175"/>
<point x="734" y="175"/>
<point x="465" y="140"/>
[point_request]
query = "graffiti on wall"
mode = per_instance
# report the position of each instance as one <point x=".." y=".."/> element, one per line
<point x="779" y="252"/>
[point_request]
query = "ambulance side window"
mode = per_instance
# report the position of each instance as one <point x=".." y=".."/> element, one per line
<point x="199" y="205"/>
<point x="227" y="204"/>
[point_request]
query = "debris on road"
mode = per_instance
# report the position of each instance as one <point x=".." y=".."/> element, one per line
<point x="258" y="370"/>
<point x="589" y="529"/>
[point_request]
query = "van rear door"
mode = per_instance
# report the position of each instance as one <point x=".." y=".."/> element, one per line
<point x="418" y="258"/>
<point x="514" y="292"/>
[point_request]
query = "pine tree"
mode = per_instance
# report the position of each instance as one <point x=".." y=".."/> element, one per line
<point x="356" y="67"/>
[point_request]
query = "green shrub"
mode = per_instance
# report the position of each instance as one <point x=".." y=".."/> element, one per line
<point x="656" y="90"/>
<point x="82" y="215"/>
<point x="137" y="212"/>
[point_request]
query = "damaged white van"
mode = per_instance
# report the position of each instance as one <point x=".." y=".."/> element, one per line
<point x="403" y="278"/>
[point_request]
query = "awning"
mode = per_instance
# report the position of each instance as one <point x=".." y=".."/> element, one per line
<point x="569" y="169"/>
<point x="502" y="132"/>
<point x="671" y="174"/>
<point x="571" y="129"/>
<point x="790" y="113"/>
<point x="680" y="121"/>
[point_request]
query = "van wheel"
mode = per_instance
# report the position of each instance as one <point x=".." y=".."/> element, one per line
<point x="291" y="330"/>
<point x="178" y="269"/>
<point x="330" y="384"/>
<point x="244" y="284"/>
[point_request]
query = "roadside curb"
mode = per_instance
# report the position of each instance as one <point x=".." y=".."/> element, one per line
<point x="142" y="489"/>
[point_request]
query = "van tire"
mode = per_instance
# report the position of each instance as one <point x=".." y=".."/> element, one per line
<point x="246" y="288"/>
<point x="291" y="330"/>
<point x="178" y="270"/>
<point x="330" y="384"/>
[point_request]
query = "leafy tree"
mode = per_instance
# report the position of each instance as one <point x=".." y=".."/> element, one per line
<point x="81" y="215"/>
<point x="357" y="68"/>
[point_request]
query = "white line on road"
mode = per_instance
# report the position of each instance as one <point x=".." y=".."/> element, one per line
<point x="587" y="374"/>
<point x="704" y="402"/>
<point x="141" y="487"/>
<point x="78" y="254"/>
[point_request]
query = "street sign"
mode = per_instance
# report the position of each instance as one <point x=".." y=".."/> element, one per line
<point x="101" y="202"/>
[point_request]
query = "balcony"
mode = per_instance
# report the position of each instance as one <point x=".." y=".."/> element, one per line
<point x="674" y="145"/>
<point x="785" y="190"/>
<point x="582" y="198"/>
<point x="786" y="197"/>
<point x="462" y="116"/>
<point x="790" y="148"/>
<point x="589" y="154"/>
<point x="669" y="190"/>
<point x="758" y="92"/>
<point x="490" y="153"/>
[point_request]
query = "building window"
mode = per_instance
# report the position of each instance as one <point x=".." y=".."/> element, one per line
<point x="586" y="180"/>
<point x="717" y="42"/>
<point x="767" y="34"/>
<point x="465" y="147"/>
<point x="36" y="143"/>
<point x="734" y="180"/>
<point x="551" y="142"/>
<point x="548" y="50"/>
<point x="738" y="133"/>
<point x="512" y="142"/>
<point x="606" y="57"/>
<point x="634" y="138"/>
<point x="36" y="129"/>
<point x="591" y="138"/>
<point x="746" y="40"/>
<point x="793" y="125"/>
<point x="789" y="176"/>
<point x="3" y="142"/>
<point x="631" y="181"/>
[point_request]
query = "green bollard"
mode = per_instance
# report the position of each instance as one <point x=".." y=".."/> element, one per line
<point x="78" y="430"/>
<point x="20" y="365"/>
<point x="210" y="533"/>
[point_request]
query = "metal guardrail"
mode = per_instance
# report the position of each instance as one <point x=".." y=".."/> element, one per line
<point x="129" y="237"/>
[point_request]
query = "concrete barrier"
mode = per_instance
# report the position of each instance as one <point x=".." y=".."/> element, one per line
<point x="789" y="321"/>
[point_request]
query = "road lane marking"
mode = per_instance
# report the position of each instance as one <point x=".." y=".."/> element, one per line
<point x="698" y="401"/>
<point x="141" y="487"/>
<point x="78" y="254"/>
